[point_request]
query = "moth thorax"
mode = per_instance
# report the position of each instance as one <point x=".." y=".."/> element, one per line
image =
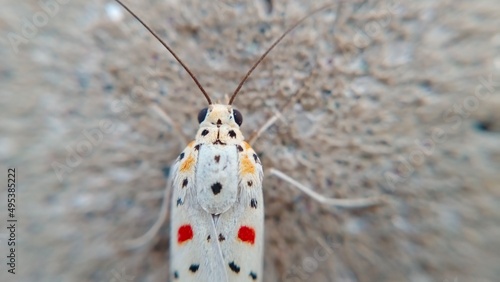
<point x="217" y="177"/>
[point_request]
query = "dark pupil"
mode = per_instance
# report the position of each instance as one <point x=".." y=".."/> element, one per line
<point x="202" y="114"/>
<point x="238" y="118"/>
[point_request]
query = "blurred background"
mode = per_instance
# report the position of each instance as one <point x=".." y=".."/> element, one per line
<point x="389" y="98"/>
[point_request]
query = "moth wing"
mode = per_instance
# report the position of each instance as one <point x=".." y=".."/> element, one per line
<point x="194" y="255"/>
<point x="241" y="228"/>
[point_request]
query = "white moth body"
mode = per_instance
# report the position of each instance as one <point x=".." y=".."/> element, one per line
<point x="216" y="168"/>
<point x="217" y="211"/>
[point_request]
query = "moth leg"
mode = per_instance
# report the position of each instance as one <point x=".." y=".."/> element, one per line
<point x="277" y="115"/>
<point x="165" y="206"/>
<point x="256" y="134"/>
<point x="149" y="235"/>
<point x="358" y="203"/>
<point x="167" y="119"/>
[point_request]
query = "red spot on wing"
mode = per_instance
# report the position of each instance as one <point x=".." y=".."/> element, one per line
<point x="247" y="234"/>
<point x="184" y="233"/>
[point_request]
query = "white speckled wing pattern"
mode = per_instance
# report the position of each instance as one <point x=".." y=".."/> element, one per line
<point x="192" y="257"/>
<point x="217" y="216"/>
<point x="243" y="225"/>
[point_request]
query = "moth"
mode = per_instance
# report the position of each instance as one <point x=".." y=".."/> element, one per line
<point x="216" y="201"/>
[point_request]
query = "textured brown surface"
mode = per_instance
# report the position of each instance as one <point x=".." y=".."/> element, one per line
<point x="374" y="78"/>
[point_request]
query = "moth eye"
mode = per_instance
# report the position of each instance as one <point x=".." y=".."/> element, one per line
<point x="202" y="114"/>
<point x="238" y="118"/>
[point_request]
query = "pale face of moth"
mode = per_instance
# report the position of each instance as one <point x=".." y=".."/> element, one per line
<point x="219" y="124"/>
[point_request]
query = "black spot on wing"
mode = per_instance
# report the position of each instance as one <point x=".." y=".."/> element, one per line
<point x="253" y="275"/>
<point x="208" y="238"/>
<point x="256" y="158"/>
<point x="179" y="202"/>
<point x="253" y="203"/>
<point x="216" y="187"/>
<point x="184" y="182"/>
<point x="197" y="147"/>
<point x="181" y="156"/>
<point x="176" y="275"/>
<point x="240" y="149"/>
<point x="250" y="183"/>
<point x="204" y="132"/>
<point x="217" y="158"/>
<point x="194" y="267"/>
<point x="221" y="237"/>
<point x="232" y="134"/>
<point x="234" y="267"/>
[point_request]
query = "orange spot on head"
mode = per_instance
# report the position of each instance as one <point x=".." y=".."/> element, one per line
<point x="184" y="233"/>
<point x="187" y="164"/>
<point x="247" y="166"/>
<point x="246" y="234"/>
<point x="246" y="145"/>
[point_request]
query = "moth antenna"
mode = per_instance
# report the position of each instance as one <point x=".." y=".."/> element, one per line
<point x="170" y="50"/>
<point x="271" y="48"/>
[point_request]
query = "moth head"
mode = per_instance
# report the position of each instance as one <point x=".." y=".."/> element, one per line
<point x="217" y="115"/>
